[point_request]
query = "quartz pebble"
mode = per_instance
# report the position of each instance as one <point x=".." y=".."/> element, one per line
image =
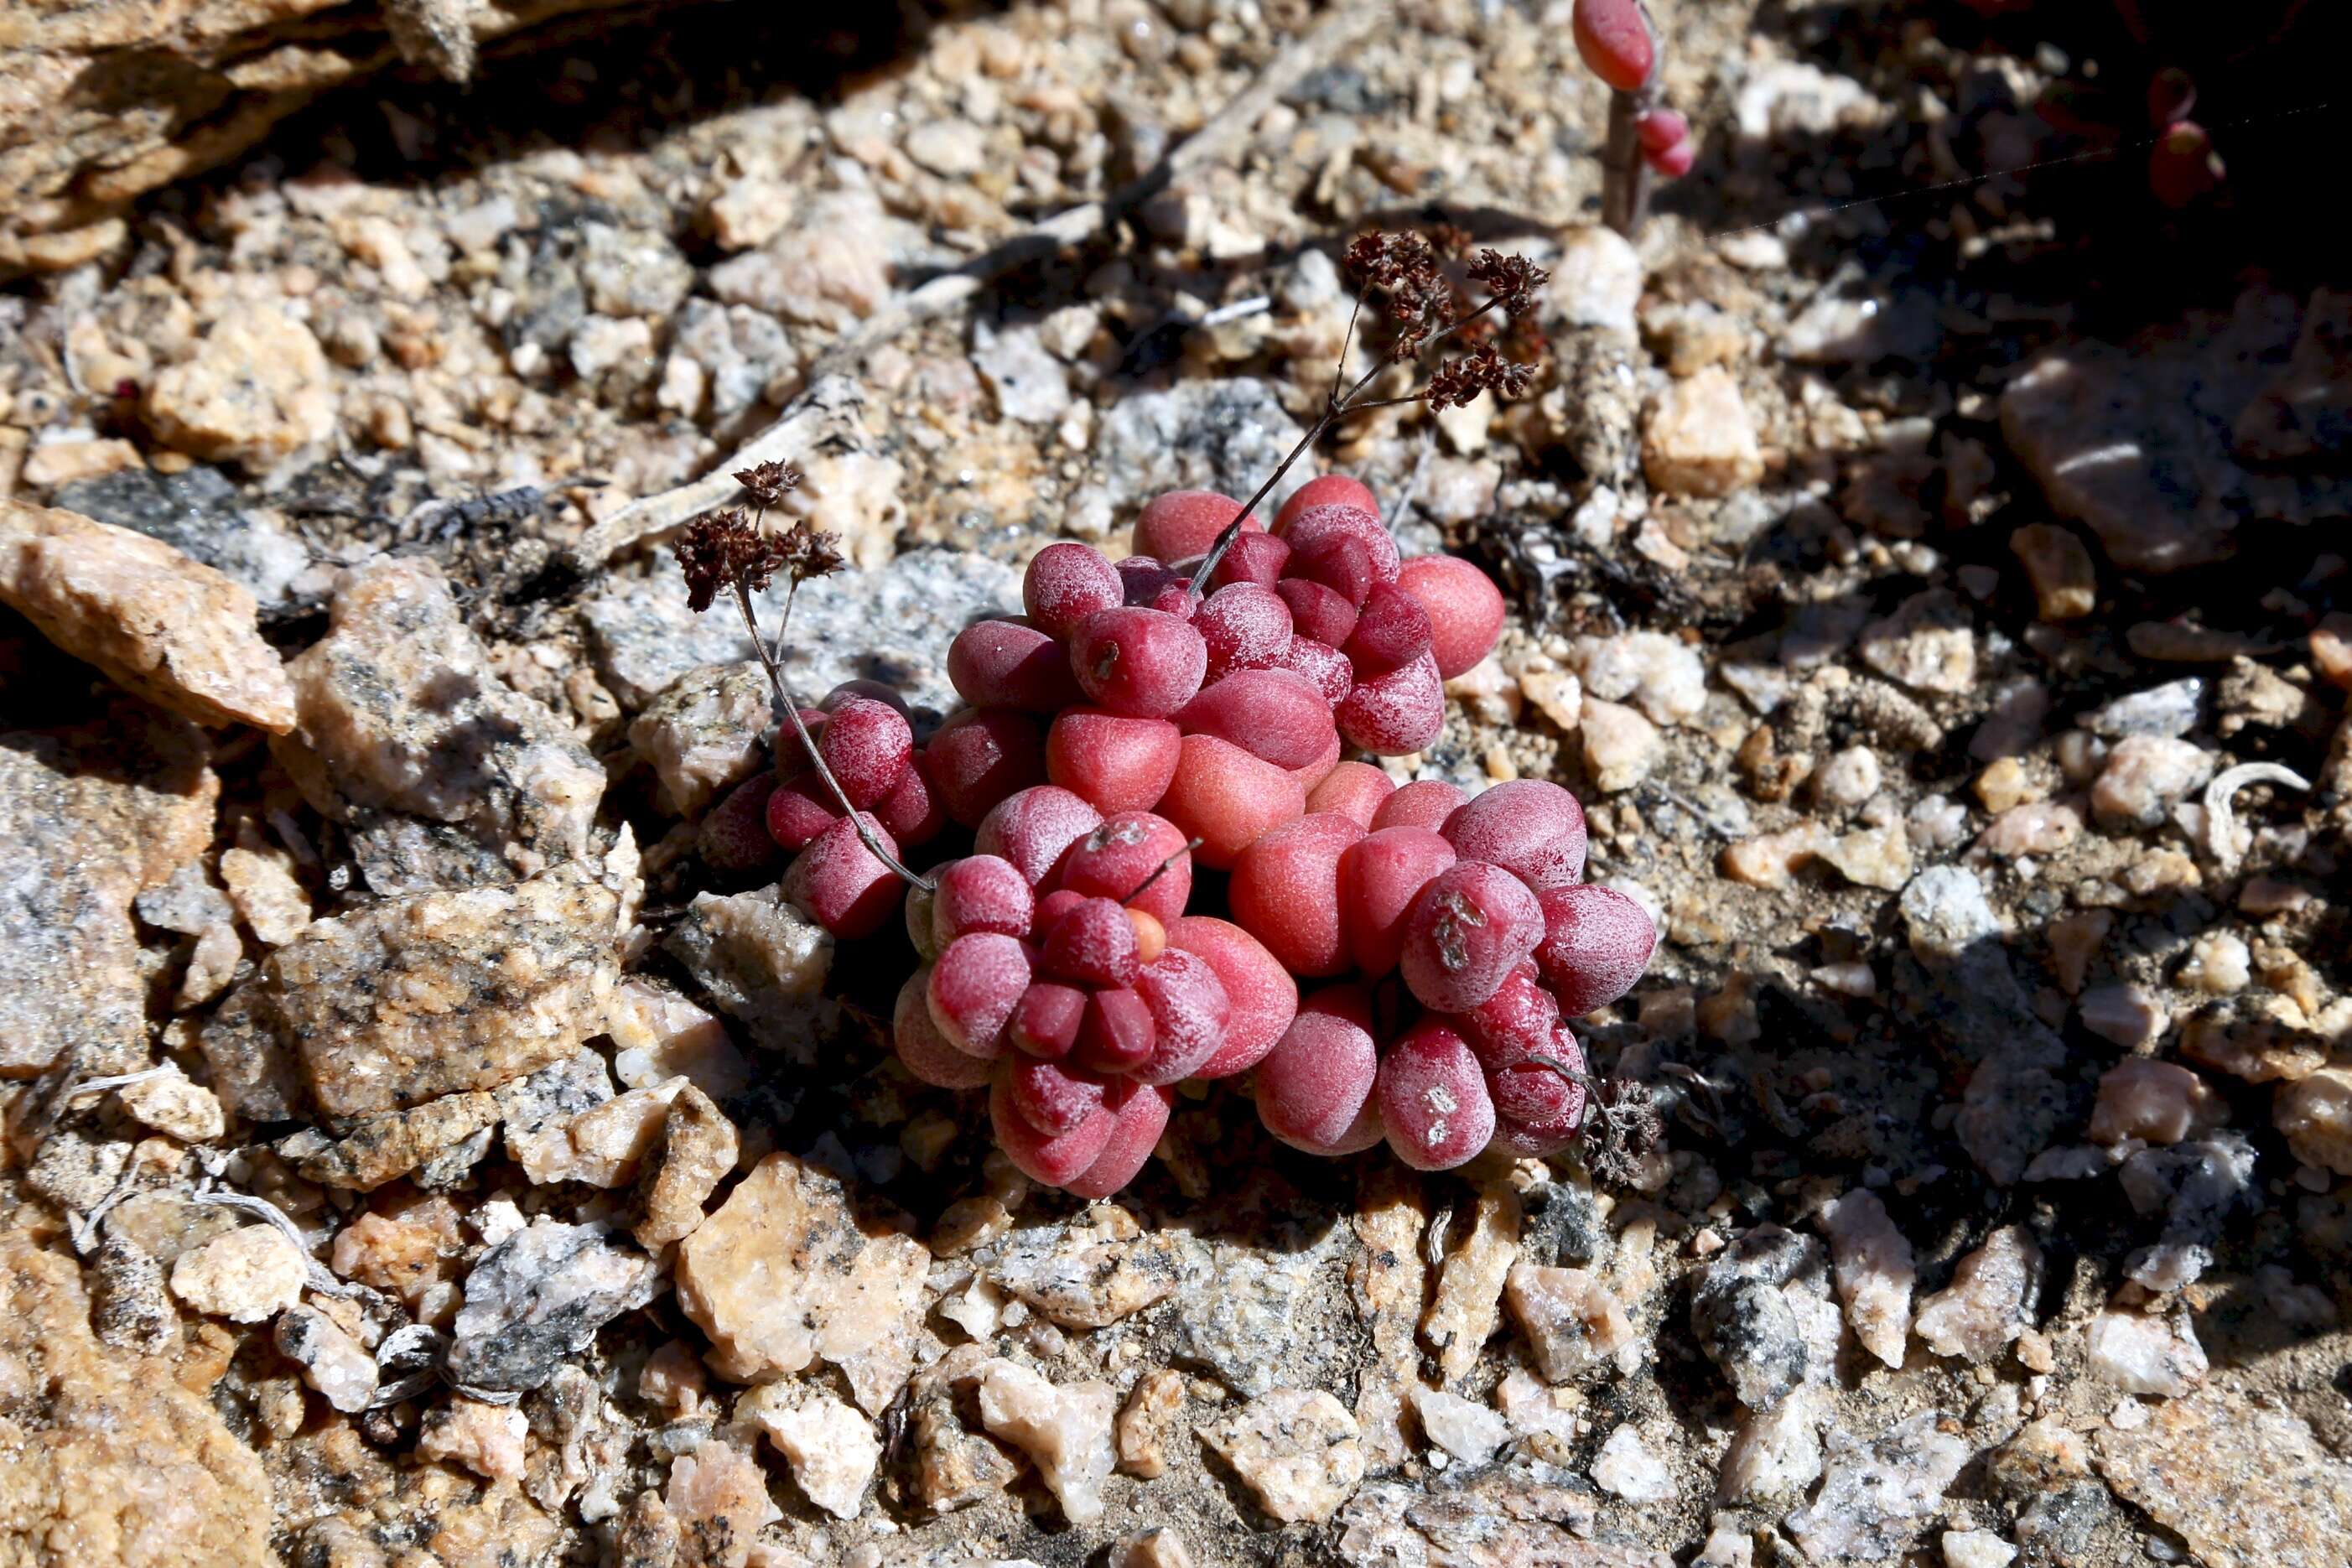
<point x="831" y="1446"/>
<point x="1775" y="1453"/>
<point x="1872" y="1261"/>
<point x="170" y="1103"/>
<point x="2065" y="585"/>
<point x="2155" y="1102"/>
<point x="248" y="1275"/>
<point x="2145" y="777"/>
<point x="1468" y="1307"/>
<point x="257" y="389"/>
<point x="1146" y="1422"/>
<point x="2141" y="1353"/>
<point x="1597" y="280"/>
<point x="719" y="1496"/>
<point x="1621" y="746"/>
<point x="485" y="1439"/>
<point x="1699" y="440"/>
<point x="2316" y="1114"/>
<point x="1297" y="1450"/>
<point x="1159" y="1547"/>
<point x="783" y="1275"/>
<point x="1468" y="1431"/>
<point x="2167" y="712"/>
<point x="158" y="623"/>
<point x="2124" y="1013"/>
<point x="1572" y="1320"/>
<point x="1088" y="1273"/>
<point x="1066" y="1430"/>
<point x="1626" y="1468"/>
<point x="333" y="1363"/>
<point x="1985" y="1306"/>
<point x="1976" y="1549"/>
<point x="1661" y="675"/>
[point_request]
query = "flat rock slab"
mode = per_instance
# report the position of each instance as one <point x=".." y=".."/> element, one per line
<point x="160" y="624"/>
<point x="2245" y="1487"/>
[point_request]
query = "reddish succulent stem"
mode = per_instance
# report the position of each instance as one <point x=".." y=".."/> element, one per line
<point x="783" y="690"/>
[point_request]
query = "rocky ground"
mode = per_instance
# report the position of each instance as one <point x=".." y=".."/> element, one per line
<point x="417" y="1156"/>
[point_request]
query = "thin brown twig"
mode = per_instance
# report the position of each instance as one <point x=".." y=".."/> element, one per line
<point x="783" y="690"/>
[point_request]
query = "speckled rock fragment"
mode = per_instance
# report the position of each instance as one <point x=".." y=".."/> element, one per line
<point x="1468" y="1307"/>
<point x="401" y="716"/>
<point x="784" y="1274"/>
<point x="697" y="1151"/>
<point x="106" y="1461"/>
<point x="1090" y="1272"/>
<point x="1296" y="1451"/>
<point x="1878" y="1493"/>
<point x="333" y="1363"/>
<point x="160" y="625"/>
<point x="92" y="816"/>
<point x="537" y="1297"/>
<point x="708" y="731"/>
<point x="2246" y="1486"/>
<point x="764" y="963"/>
<point x="1988" y="1303"/>
<point x="414" y="998"/>
<point x="1491" y="1518"/>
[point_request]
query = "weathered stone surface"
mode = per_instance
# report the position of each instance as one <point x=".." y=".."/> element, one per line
<point x="410" y="999"/>
<point x="764" y="962"/>
<point x="697" y="1149"/>
<point x="256" y="390"/>
<point x="102" y="1460"/>
<point x="1776" y="1453"/>
<point x="1878" y="1493"/>
<point x="2135" y="438"/>
<point x="1066" y="1430"/>
<point x="2246" y="1487"/>
<point x="100" y="105"/>
<point x="537" y="1297"/>
<point x="92" y="816"/>
<point x="1573" y="1321"/>
<point x="1236" y="1307"/>
<point x="784" y="1274"/>
<point x="1493" y="1520"/>
<point x="1223" y="436"/>
<point x="892" y="624"/>
<point x="708" y="731"/>
<point x="333" y="1363"/>
<point x="832" y="1448"/>
<point x="161" y="625"/>
<point x="250" y="1274"/>
<point x="1298" y="1452"/>
<point x="402" y="717"/>
<point x="1090" y="1272"/>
